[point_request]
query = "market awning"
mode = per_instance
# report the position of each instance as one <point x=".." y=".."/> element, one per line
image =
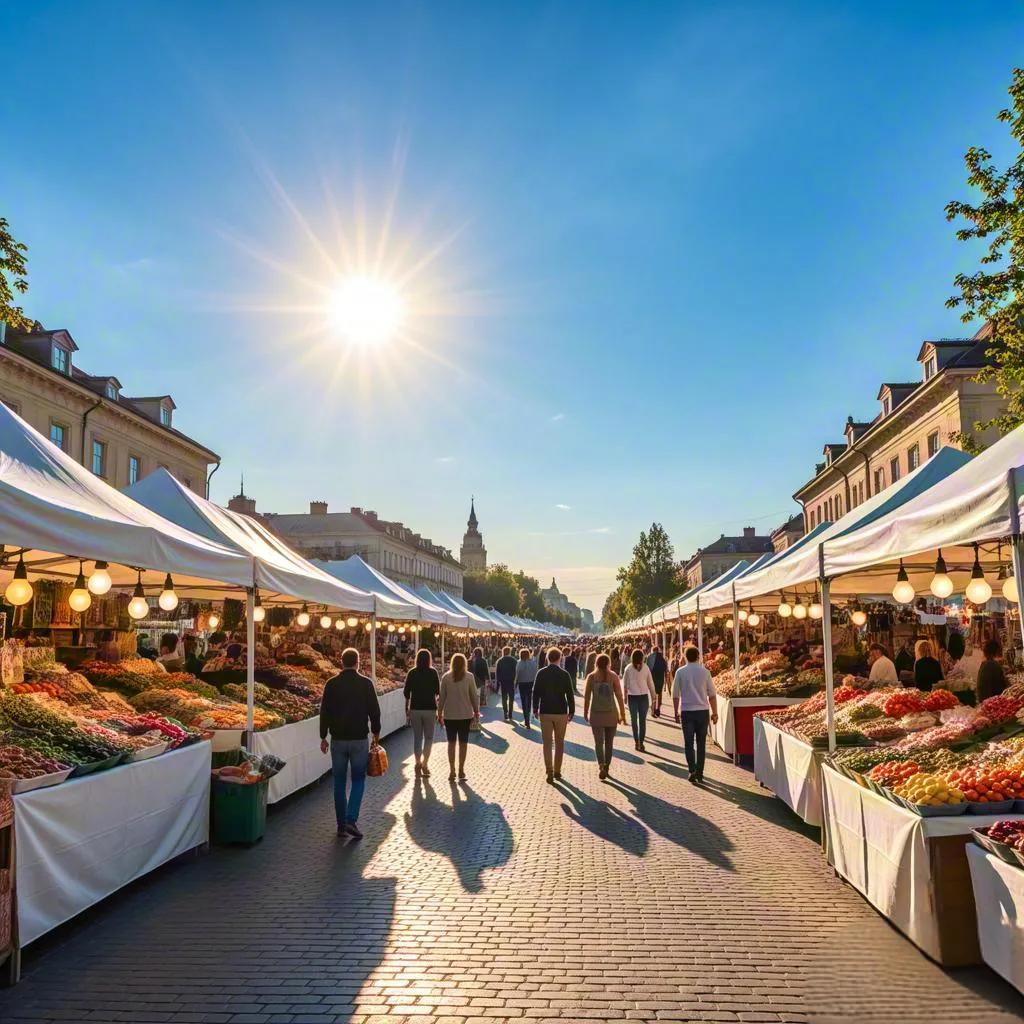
<point x="718" y="592"/>
<point x="280" y="571"/>
<point x="386" y="603"/>
<point x="356" y="568"/>
<point x="60" y="512"/>
<point x="460" y="618"/>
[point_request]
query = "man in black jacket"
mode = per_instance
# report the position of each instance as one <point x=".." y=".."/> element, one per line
<point x="348" y="710"/>
<point x="505" y="677"/>
<point x="554" y="704"/>
<point x="572" y="666"/>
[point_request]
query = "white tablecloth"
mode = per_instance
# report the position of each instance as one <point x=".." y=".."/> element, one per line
<point x="881" y="849"/>
<point x="392" y="712"/>
<point x="298" y="744"/>
<point x="82" y="840"/>
<point x="723" y="732"/>
<point x="790" y="768"/>
<point x="999" y="899"/>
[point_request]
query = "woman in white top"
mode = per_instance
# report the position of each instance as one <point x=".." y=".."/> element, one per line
<point x="638" y="686"/>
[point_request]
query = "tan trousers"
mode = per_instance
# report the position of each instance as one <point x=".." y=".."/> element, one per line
<point x="552" y="730"/>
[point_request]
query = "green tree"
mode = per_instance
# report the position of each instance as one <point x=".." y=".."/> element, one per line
<point x="495" y="588"/>
<point x="995" y="292"/>
<point x="533" y="604"/>
<point x="652" y="576"/>
<point x="614" y="611"/>
<point x="13" y="271"/>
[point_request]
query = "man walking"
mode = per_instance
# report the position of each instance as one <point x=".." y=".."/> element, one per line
<point x="554" y="704"/>
<point x="572" y="666"/>
<point x="505" y="677"/>
<point x="348" y="710"/>
<point x="526" y="673"/>
<point x="659" y="667"/>
<point x="693" y="696"/>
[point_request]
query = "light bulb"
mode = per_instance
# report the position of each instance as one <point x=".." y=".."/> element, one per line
<point x="79" y="599"/>
<point x="941" y="585"/>
<point x="785" y="609"/>
<point x="168" y="599"/>
<point x="302" y="619"/>
<point x="325" y="622"/>
<point x="729" y="624"/>
<point x="903" y="592"/>
<point x="369" y="627"/>
<point x="19" y="590"/>
<point x="753" y="619"/>
<point x="743" y="615"/>
<point x="213" y="621"/>
<point x="858" y="617"/>
<point x="401" y="629"/>
<point x="339" y="624"/>
<point x="351" y="621"/>
<point x="99" y="582"/>
<point x="709" y="619"/>
<point x="391" y="627"/>
<point x="259" y="613"/>
<point x="1010" y="589"/>
<point x="815" y="611"/>
<point x="979" y="590"/>
<point x="800" y="611"/>
<point x="138" y="607"/>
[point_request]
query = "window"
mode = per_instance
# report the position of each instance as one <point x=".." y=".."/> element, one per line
<point x="134" y="469"/>
<point x="59" y="359"/>
<point x="111" y="391"/>
<point x="931" y="366"/>
<point x="165" y="415"/>
<point x="99" y="458"/>
<point x="933" y="443"/>
<point x="879" y="480"/>
<point x="839" y="506"/>
<point x="59" y="435"/>
<point x="886" y="405"/>
<point x="894" y="469"/>
<point x="913" y="457"/>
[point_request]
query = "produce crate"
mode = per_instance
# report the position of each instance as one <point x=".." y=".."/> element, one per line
<point x="239" y="811"/>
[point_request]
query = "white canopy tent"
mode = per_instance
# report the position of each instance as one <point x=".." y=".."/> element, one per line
<point x="389" y="600"/>
<point x="444" y="600"/>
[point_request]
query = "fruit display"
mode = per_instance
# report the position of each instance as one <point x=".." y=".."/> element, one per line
<point x="290" y="706"/>
<point x="988" y="785"/>
<point x="940" y="700"/>
<point x="22" y="763"/>
<point x="893" y="773"/>
<point x="1010" y="832"/>
<point x="928" y="790"/>
<point x="903" y="703"/>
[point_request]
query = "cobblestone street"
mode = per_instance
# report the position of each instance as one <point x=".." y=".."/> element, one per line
<point x="643" y="898"/>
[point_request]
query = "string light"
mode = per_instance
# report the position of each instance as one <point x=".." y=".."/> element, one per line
<point x="800" y="611"/>
<point x="19" y="590"/>
<point x="303" y="617"/>
<point x="352" y="621"/>
<point x="168" y="599"/>
<point x="138" y="606"/>
<point x="325" y="622"/>
<point x="1009" y="587"/>
<point x="753" y="618"/>
<point x="785" y="609"/>
<point x="100" y="582"/>
<point x="941" y="585"/>
<point x="816" y="611"/>
<point x="369" y="627"/>
<point x="743" y="615"/>
<point x="979" y="590"/>
<point x="259" y="613"/>
<point x="80" y="598"/>
<point x="339" y="624"/>
<point x="903" y="591"/>
<point x="214" y="620"/>
<point x="858" y="617"/>
<point x="729" y="624"/>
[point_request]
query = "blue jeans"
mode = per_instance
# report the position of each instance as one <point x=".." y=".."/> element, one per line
<point x="695" y="734"/>
<point x="345" y="753"/>
<point x="639" y="704"/>
<point x="526" y="699"/>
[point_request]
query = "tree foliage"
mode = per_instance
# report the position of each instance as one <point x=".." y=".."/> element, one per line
<point x="995" y="292"/>
<point x="651" y="578"/>
<point x="513" y="594"/>
<point x="13" y="278"/>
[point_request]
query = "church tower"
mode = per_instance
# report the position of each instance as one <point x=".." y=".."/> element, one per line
<point x="473" y="554"/>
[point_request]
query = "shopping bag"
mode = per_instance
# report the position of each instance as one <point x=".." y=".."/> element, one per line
<point x="378" y="763"/>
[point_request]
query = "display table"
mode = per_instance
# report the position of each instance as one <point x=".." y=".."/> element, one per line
<point x="999" y="898"/>
<point x="912" y="870"/>
<point x="734" y="730"/>
<point x="78" y="842"/>
<point x="298" y="745"/>
<point x="392" y="712"/>
<point x="790" y="768"/>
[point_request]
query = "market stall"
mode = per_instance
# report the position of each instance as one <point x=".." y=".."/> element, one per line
<point x="999" y="901"/>
<point x="790" y="768"/>
<point x="733" y="733"/>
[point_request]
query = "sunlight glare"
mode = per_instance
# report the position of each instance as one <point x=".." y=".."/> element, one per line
<point x="366" y="310"/>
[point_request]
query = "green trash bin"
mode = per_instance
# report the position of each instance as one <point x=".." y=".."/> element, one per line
<point x="239" y="811"/>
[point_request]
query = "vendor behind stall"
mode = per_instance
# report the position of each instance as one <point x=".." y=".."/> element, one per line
<point x="991" y="678"/>
<point x="171" y="657"/>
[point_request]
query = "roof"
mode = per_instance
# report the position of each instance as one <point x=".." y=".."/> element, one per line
<point x="734" y="546"/>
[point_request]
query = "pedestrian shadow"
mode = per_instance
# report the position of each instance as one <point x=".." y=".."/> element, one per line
<point x="572" y="748"/>
<point x="604" y="820"/>
<point x="679" y="825"/>
<point x="472" y="833"/>
<point x="765" y="806"/>
<point x="490" y="741"/>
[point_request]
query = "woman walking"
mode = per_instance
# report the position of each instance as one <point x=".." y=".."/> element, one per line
<point x="638" y="685"/>
<point x="459" y="705"/>
<point x="604" y="710"/>
<point x="422" y="689"/>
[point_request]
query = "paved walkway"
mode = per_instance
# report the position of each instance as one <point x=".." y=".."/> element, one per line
<point x="642" y="898"/>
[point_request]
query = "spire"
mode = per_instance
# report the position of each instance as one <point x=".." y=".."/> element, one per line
<point x="241" y="487"/>
<point x="472" y="514"/>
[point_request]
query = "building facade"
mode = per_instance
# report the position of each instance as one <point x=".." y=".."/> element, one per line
<point x="557" y="601"/>
<point x="391" y="547"/>
<point x="710" y="562"/>
<point x="120" y="438"/>
<point x="473" y="554"/>
<point x="914" y="420"/>
<point x="788" y="533"/>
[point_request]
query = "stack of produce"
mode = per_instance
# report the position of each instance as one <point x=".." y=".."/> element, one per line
<point x="201" y="712"/>
<point x="289" y="706"/>
<point x="926" y="790"/>
<point x="1009" y="832"/>
<point x="717" y="663"/>
<point x="56" y="733"/>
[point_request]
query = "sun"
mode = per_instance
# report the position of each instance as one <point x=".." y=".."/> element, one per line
<point x="366" y="310"/>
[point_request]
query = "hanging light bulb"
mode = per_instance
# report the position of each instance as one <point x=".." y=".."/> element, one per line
<point x="1009" y="587"/>
<point x="979" y="590"/>
<point x="941" y="585"/>
<point x="138" y="606"/>
<point x="339" y="624"/>
<point x="785" y="609"/>
<point x="401" y="629"/>
<point x="259" y="613"/>
<point x="743" y="615"/>
<point x="80" y="598"/>
<point x="213" y="619"/>
<point x="800" y="611"/>
<point x="391" y="627"/>
<point x="168" y="599"/>
<point x="325" y="622"/>
<point x="708" y="619"/>
<point x="99" y="582"/>
<point x="369" y="627"/>
<point x="903" y="591"/>
<point x="729" y="624"/>
<point x="303" y="617"/>
<point x="753" y="619"/>
<point x="816" y="611"/>
<point x="19" y="590"/>
<point x="352" y="621"/>
<point x="858" y="616"/>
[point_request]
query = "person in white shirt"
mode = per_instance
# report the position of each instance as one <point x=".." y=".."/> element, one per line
<point x="638" y="686"/>
<point x="883" y="671"/>
<point x="693" y="698"/>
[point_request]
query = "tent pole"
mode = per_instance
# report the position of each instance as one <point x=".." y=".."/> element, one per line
<point x="680" y="614"/>
<point x="736" y="638"/>
<point x="1017" y="548"/>
<point x="250" y="663"/>
<point x="373" y="650"/>
<point x="700" y="632"/>
<point x="826" y="642"/>
<point x="442" y="650"/>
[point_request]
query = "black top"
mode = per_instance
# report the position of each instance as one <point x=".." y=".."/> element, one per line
<point x="348" y="704"/>
<point x="927" y="672"/>
<point x="658" y="666"/>
<point x="505" y="670"/>
<point x="481" y="671"/>
<point x="553" y="692"/>
<point x="572" y="666"/>
<point x="991" y="679"/>
<point x="422" y="687"/>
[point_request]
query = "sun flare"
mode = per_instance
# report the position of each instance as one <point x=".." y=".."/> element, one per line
<point x="366" y="310"/>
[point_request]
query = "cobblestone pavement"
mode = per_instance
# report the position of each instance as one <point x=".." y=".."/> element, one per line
<point x="643" y="898"/>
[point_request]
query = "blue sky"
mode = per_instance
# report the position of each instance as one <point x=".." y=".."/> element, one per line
<point x="654" y="253"/>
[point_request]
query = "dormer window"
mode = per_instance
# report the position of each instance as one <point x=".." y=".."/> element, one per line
<point x="60" y="359"/>
<point x="931" y="366"/>
<point x="111" y="391"/>
<point x="165" y="415"/>
<point x="886" y="405"/>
